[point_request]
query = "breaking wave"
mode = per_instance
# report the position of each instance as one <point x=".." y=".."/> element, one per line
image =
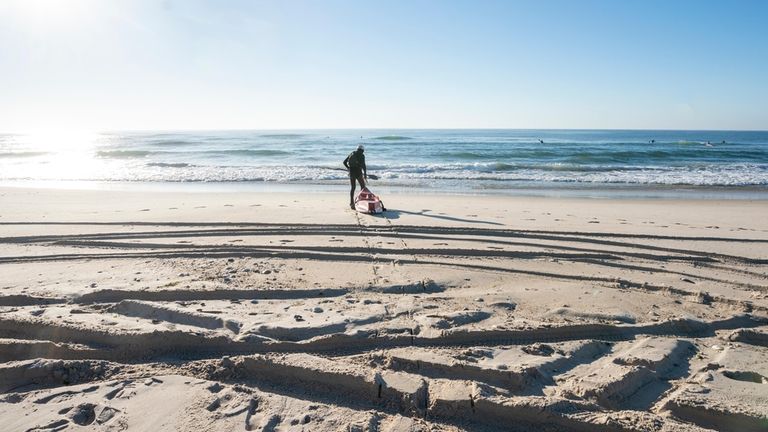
<point x="695" y="158"/>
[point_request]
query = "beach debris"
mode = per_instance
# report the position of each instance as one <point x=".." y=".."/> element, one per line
<point x="83" y="414"/>
<point x="539" y="349"/>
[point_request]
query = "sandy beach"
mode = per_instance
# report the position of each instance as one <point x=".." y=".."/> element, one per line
<point x="182" y="311"/>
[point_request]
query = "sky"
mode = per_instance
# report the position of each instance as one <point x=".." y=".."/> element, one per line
<point x="290" y="64"/>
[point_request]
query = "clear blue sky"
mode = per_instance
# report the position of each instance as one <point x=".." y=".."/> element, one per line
<point x="194" y="64"/>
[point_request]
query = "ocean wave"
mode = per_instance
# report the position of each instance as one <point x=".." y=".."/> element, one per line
<point x="392" y="138"/>
<point x="123" y="154"/>
<point x="127" y="154"/>
<point x="22" y="154"/>
<point x="247" y="152"/>
<point x="170" y="165"/>
<point x="493" y="167"/>
<point x="730" y="175"/>
<point x="282" y="136"/>
<point x="172" y="142"/>
<point x="485" y="155"/>
<point x="404" y="157"/>
<point x="668" y="178"/>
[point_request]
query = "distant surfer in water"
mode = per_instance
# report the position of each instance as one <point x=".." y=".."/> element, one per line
<point x="355" y="163"/>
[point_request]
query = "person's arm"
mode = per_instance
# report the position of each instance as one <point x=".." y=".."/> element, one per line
<point x="346" y="163"/>
<point x="365" y="169"/>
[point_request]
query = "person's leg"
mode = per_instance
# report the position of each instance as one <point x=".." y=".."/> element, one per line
<point x="352" y="191"/>
<point x="361" y="180"/>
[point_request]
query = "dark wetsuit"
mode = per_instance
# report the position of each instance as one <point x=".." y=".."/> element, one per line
<point x="355" y="163"/>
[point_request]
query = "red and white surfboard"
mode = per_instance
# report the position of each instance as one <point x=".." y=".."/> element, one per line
<point x="367" y="202"/>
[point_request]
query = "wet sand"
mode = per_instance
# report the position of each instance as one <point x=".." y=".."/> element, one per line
<point x="261" y="311"/>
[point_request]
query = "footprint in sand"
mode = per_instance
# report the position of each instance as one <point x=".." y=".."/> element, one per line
<point x="286" y="241"/>
<point x="200" y="207"/>
<point x="228" y="205"/>
<point x="144" y="210"/>
<point x="255" y="205"/>
<point x="593" y="222"/>
<point x="173" y="208"/>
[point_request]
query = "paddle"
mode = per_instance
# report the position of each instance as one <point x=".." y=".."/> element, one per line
<point x="370" y="176"/>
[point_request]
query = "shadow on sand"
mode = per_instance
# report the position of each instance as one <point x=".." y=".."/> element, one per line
<point x="395" y="214"/>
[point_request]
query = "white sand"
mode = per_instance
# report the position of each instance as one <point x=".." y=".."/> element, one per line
<point x="265" y="311"/>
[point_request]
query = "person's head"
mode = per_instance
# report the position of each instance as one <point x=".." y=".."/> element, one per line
<point x="360" y="148"/>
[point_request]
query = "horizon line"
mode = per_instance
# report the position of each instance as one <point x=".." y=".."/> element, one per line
<point x="388" y="128"/>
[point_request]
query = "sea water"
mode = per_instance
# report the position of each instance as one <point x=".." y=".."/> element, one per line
<point x="469" y="160"/>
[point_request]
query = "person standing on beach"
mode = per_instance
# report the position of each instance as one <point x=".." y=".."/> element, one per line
<point x="355" y="163"/>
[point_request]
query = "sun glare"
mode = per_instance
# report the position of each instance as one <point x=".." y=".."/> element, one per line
<point x="59" y="140"/>
<point x="42" y="15"/>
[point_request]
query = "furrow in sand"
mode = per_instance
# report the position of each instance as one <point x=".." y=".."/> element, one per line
<point x="116" y="295"/>
<point x="146" y="345"/>
<point x="595" y="257"/>
<point x="729" y="393"/>
<point x="168" y="295"/>
<point x="343" y="384"/>
<point x="677" y="327"/>
<point x="407" y="393"/>
<point x="634" y="377"/>
<point x="329" y="255"/>
<point x="149" y="310"/>
<point x="756" y="336"/>
<point x="682" y="255"/>
<point x="369" y="248"/>
<point x="235" y="227"/>
<point x="28" y="300"/>
<point x="702" y="297"/>
<point x="404" y="231"/>
<point x="716" y="418"/>
<point x="520" y="369"/>
<point x="22" y="349"/>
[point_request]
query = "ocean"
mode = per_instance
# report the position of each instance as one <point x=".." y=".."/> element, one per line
<point x="462" y="160"/>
